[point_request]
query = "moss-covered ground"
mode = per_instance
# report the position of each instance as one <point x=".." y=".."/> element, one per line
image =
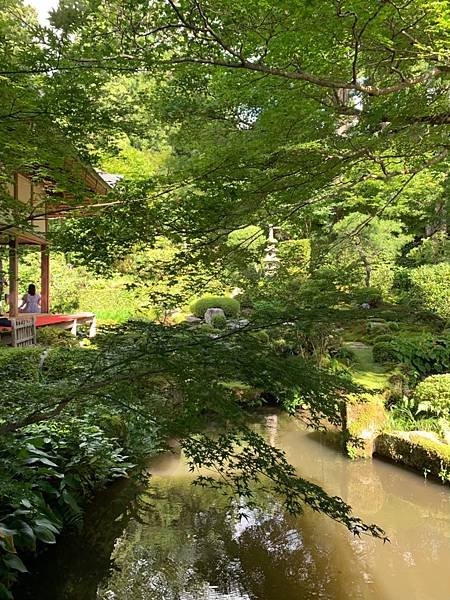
<point x="365" y="370"/>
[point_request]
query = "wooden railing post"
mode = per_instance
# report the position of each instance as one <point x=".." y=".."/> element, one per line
<point x="45" y="280"/>
<point x="13" y="298"/>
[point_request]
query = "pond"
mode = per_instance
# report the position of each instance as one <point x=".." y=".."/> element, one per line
<point x="179" y="542"/>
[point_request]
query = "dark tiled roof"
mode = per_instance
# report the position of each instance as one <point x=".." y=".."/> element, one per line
<point x="111" y="178"/>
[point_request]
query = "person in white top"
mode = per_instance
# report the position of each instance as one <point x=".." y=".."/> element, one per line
<point x="31" y="301"/>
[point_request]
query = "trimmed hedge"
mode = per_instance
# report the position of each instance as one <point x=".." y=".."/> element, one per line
<point x="52" y="336"/>
<point x="230" y="306"/>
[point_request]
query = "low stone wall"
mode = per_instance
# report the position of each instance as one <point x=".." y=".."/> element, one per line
<point x="413" y="450"/>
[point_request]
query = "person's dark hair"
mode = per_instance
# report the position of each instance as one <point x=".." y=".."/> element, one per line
<point x="32" y="289"/>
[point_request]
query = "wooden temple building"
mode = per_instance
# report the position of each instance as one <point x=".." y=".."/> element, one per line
<point x="40" y="203"/>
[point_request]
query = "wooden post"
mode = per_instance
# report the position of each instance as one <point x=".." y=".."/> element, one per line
<point x="45" y="280"/>
<point x="93" y="327"/>
<point x="13" y="278"/>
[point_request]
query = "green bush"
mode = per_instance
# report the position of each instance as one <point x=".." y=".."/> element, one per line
<point x="20" y="363"/>
<point x="64" y="363"/>
<point x="47" y="472"/>
<point x="207" y="328"/>
<point x="52" y="336"/>
<point x="262" y="336"/>
<point x="368" y="295"/>
<point x="219" y="322"/>
<point x="430" y="288"/>
<point x="426" y="354"/>
<point x="346" y="355"/>
<point x="230" y="306"/>
<point x="384" y="337"/>
<point x="384" y="353"/>
<point x="432" y="395"/>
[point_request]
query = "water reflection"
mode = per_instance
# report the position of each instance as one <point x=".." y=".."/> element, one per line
<point x="179" y="542"/>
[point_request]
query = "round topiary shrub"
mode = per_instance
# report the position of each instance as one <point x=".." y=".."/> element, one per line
<point x="384" y="353"/>
<point x="432" y="395"/>
<point x="230" y="306"/>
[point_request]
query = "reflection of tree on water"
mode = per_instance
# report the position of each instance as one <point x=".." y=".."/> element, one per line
<point x="191" y="544"/>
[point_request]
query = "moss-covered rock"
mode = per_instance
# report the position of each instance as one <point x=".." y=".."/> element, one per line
<point x="364" y="417"/>
<point x="413" y="450"/>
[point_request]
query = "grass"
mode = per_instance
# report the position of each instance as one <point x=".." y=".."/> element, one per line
<point x="365" y="370"/>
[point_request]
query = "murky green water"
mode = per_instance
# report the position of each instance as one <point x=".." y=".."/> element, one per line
<point x="178" y="542"/>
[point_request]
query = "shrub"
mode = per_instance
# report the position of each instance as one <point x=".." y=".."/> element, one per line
<point x="206" y="328"/>
<point x="230" y="306"/>
<point x="262" y="336"/>
<point x="426" y="354"/>
<point x="219" y="322"/>
<point x="376" y="326"/>
<point x="52" y="336"/>
<point x="346" y="355"/>
<point x="47" y="471"/>
<point x="433" y="395"/>
<point x="369" y="295"/>
<point x="384" y="337"/>
<point x="430" y="288"/>
<point x="64" y="363"/>
<point x="383" y="352"/>
<point x="20" y="363"/>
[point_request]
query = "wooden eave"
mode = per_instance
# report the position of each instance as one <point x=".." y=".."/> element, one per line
<point x="24" y="238"/>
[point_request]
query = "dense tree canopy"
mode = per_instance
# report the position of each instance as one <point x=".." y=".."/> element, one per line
<point x="327" y="119"/>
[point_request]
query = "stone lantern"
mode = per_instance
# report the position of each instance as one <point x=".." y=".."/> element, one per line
<point x="270" y="259"/>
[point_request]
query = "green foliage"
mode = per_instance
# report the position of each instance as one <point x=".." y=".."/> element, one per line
<point x="432" y="250"/>
<point x="53" y="336"/>
<point x="20" y="363"/>
<point x="432" y="395"/>
<point x="221" y="141"/>
<point x="430" y="288"/>
<point x="383" y="337"/>
<point x="230" y="306"/>
<point x="243" y="471"/>
<point x="371" y="244"/>
<point x="47" y="472"/>
<point x="219" y="322"/>
<point x="426" y="354"/>
<point x="369" y="295"/>
<point x="295" y="257"/>
<point x="345" y="355"/>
